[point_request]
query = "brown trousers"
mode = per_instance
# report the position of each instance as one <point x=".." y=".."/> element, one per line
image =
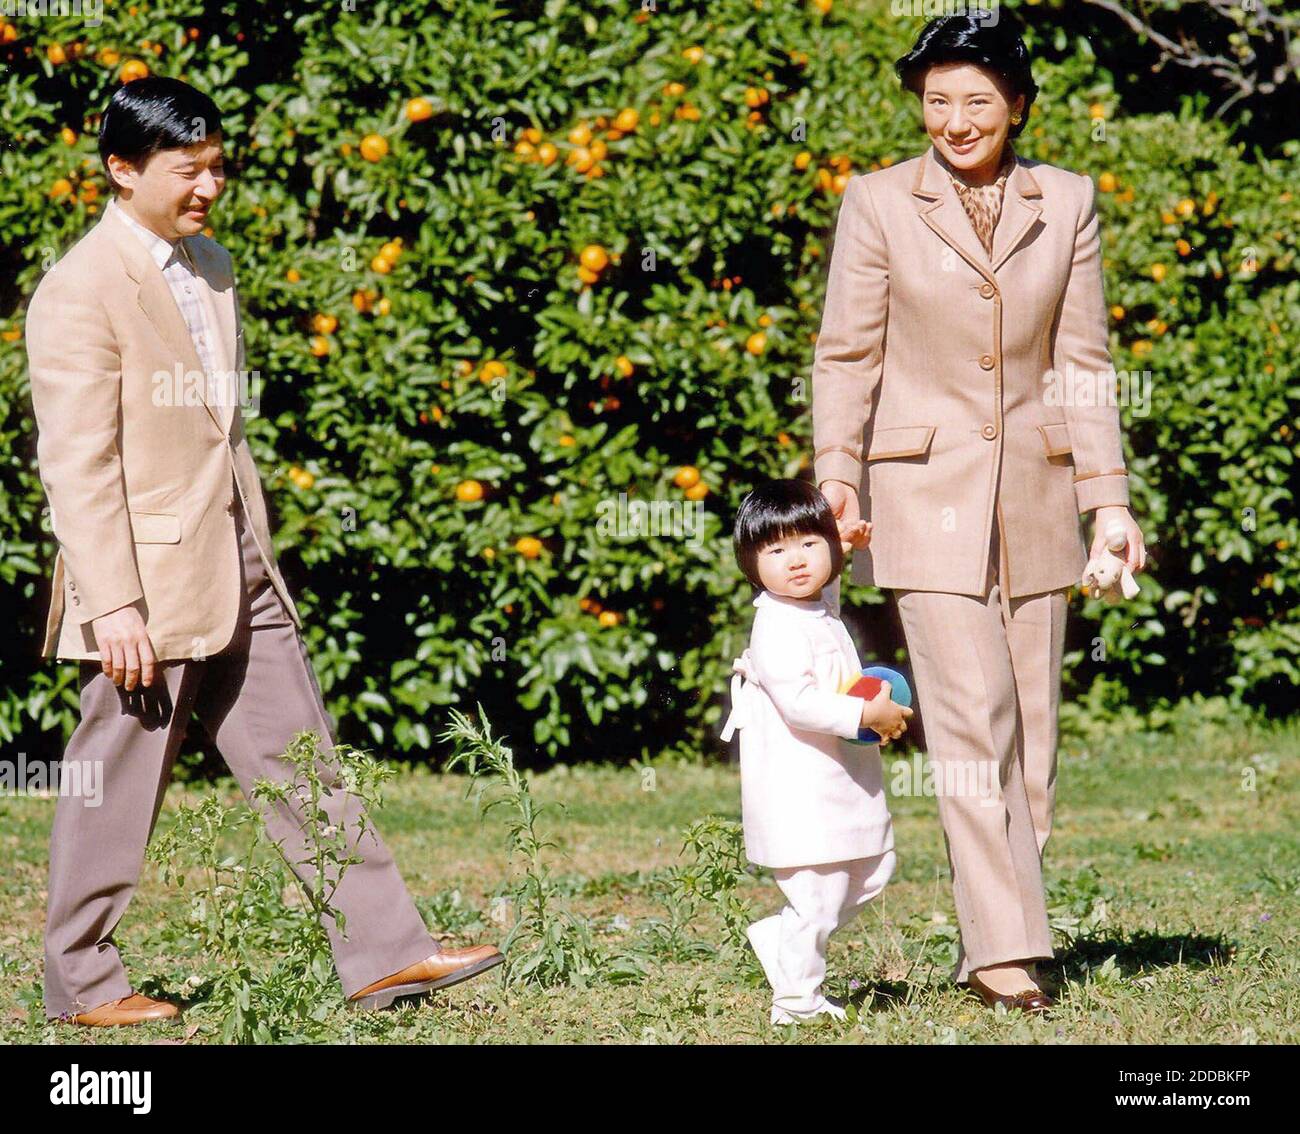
<point x="988" y="681"/>
<point x="251" y="699"/>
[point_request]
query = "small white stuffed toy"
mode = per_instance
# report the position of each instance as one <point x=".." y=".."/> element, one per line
<point x="1107" y="576"/>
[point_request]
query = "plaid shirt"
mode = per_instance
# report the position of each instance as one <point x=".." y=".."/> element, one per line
<point x="178" y="270"/>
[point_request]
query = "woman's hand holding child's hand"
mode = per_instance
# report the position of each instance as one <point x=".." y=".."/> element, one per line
<point x="855" y="535"/>
<point x="884" y="716"/>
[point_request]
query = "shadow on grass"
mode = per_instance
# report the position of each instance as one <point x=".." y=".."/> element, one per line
<point x="882" y="995"/>
<point x="1139" y="952"/>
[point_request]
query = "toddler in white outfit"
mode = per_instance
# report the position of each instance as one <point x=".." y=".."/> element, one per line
<point x="813" y="806"/>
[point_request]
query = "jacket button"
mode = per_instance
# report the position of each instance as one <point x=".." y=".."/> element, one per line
<point x="989" y="431"/>
<point x="76" y="601"/>
<point x="986" y="290"/>
<point x="71" y="585"/>
<point x="230" y="508"/>
<point x="986" y="361"/>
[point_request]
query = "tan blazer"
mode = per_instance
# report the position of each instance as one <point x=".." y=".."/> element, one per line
<point x="931" y="361"/>
<point x="140" y="490"/>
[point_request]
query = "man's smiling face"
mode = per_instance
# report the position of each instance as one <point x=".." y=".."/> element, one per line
<point x="174" y="190"/>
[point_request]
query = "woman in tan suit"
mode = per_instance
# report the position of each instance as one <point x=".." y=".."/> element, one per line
<point x="963" y="404"/>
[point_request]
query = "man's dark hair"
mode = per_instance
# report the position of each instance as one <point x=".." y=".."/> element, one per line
<point x="997" y="47"/>
<point x="151" y="114"/>
<point x="776" y="510"/>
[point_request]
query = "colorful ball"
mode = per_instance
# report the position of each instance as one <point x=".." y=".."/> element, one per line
<point x="868" y="685"/>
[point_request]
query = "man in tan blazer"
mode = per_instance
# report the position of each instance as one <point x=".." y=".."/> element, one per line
<point x="166" y="586"/>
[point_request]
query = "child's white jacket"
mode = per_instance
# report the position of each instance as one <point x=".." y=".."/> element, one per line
<point x="807" y="797"/>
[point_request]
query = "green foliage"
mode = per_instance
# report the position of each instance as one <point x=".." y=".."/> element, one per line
<point x="713" y="872"/>
<point x="547" y="944"/>
<point x="480" y="354"/>
<point x="238" y="918"/>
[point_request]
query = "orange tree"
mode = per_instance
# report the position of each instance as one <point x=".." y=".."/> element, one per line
<point x="501" y="264"/>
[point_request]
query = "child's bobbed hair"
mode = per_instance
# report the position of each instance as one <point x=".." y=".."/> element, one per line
<point x="779" y="509"/>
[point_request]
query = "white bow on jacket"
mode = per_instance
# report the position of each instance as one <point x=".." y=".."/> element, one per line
<point x="743" y="683"/>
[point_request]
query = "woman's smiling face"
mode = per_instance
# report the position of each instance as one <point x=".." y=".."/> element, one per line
<point x="967" y="116"/>
<point x="796" y="566"/>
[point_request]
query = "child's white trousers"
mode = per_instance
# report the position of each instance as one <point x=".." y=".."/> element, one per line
<point x="791" y="945"/>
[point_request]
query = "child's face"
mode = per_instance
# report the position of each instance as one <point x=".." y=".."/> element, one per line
<point x="797" y="566"/>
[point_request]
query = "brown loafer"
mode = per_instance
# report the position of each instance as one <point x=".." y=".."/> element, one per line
<point x="441" y="970"/>
<point x="1031" y="1001"/>
<point x="134" y="1009"/>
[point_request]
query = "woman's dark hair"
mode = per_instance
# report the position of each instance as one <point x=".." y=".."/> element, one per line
<point x="995" y="46"/>
<point x="776" y="510"/>
<point x="151" y="114"/>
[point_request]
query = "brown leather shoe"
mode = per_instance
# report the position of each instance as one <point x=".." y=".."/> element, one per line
<point x="1032" y="1001"/>
<point x="134" y="1009"/>
<point x="441" y="970"/>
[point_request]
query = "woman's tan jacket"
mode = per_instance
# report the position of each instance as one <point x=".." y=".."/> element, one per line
<point x="970" y="383"/>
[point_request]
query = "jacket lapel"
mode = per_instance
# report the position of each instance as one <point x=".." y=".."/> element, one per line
<point x="159" y="306"/>
<point x="941" y="209"/>
<point x="216" y="281"/>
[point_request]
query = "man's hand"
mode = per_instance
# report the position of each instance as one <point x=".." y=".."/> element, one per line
<point x="1136" y="552"/>
<point x="124" y="647"/>
<point x="848" y="517"/>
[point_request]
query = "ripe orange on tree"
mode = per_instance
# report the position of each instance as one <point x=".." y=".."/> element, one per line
<point x="320" y="346"/>
<point x="594" y="258"/>
<point x="687" y="476"/>
<point x="469" y="491"/>
<point x="374" y="147"/>
<point x="530" y="547"/>
<point x="626" y="120"/>
<point x="133" y="69"/>
<point x="324" y="324"/>
<point x="418" y="109"/>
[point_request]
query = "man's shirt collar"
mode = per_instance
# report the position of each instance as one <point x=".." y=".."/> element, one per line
<point x="159" y="248"/>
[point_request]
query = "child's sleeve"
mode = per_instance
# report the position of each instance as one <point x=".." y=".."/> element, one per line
<point x="783" y="663"/>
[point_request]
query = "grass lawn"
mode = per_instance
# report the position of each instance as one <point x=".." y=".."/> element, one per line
<point x="1173" y="890"/>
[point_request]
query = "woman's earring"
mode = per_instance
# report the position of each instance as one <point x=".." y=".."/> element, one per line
<point x="1015" y="120"/>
